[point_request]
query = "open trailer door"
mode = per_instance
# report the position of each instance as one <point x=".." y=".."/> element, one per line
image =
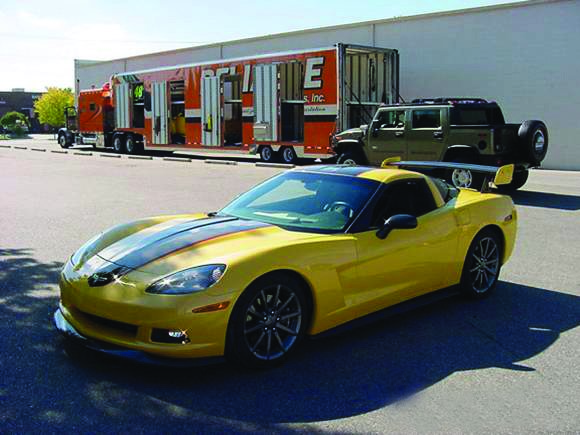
<point x="266" y="102"/>
<point x="159" y="112"/>
<point x="122" y="105"/>
<point x="368" y="76"/>
<point x="210" y="111"/>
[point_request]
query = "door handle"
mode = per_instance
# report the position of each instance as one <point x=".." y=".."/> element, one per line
<point x="157" y="124"/>
<point x="399" y="133"/>
<point x="438" y="135"/>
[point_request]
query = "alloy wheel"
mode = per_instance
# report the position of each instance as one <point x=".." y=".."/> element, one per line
<point x="272" y="322"/>
<point x="484" y="264"/>
<point x="462" y="178"/>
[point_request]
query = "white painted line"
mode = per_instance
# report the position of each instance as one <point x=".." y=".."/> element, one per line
<point x="59" y="151"/>
<point x="38" y="149"/>
<point x="80" y="153"/>
<point x="274" y="165"/>
<point x="221" y="162"/>
<point x="114" y="156"/>
<point x="176" y="159"/>
<point x="141" y="157"/>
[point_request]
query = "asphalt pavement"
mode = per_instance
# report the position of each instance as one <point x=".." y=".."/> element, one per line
<point x="508" y="363"/>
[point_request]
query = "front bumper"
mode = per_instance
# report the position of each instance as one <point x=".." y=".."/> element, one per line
<point x="68" y="330"/>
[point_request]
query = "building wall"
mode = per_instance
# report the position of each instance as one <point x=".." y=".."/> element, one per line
<point x="525" y="56"/>
<point x="23" y="102"/>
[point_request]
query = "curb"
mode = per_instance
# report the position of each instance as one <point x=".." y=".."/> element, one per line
<point x="140" y="157"/>
<point x="221" y="162"/>
<point x="176" y="159"/>
<point x="273" y="165"/>
<point x="80" y="153"/>
<point x="114" y="156"/>
<point x="59" y="151"/>
<point x="43" y="150"/>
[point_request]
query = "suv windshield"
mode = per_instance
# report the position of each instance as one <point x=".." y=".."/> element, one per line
<point x="305" y="201"/>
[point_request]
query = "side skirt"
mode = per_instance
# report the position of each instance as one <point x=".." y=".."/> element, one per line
<point x="391" y="311"/>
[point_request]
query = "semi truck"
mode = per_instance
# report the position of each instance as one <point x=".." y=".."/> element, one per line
<point x="282" y="106"/>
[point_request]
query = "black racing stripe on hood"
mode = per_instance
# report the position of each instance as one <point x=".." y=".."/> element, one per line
<point x="126" y="246"/>
<point x="182" y="239"/>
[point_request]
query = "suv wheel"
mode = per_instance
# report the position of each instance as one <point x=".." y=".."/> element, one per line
<point x="348" y="159"/>
<point x="464" y="178"/>
<point x="518" y="180"/>
<point x="534" y="141"/>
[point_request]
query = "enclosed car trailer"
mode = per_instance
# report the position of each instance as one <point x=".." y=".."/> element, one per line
<point x="280" y="105"/>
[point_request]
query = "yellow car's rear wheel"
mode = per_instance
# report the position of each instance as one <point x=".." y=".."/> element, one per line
<point x="268" y="321"/>
<point x="482" y="264"/>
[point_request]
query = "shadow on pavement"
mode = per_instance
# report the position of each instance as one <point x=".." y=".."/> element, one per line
<point x="546" y="200"/>
<point x="44" y="389"/>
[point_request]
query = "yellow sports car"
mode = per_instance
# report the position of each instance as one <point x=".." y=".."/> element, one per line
<point x="303" y="253"/>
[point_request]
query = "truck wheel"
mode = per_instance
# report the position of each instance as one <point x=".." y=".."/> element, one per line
<point x="63" y="141"/>
<point x="131" y="145"/>
<point x="348" y="159"/>
<point x="534" y="141"/>
<point x="518" y="180"/>
<point x="266" y="153"/>
<point x="288" y="155"/>
<point x="118" y="144"/>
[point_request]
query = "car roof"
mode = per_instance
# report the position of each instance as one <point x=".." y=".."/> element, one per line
<point x="382" y="175"/>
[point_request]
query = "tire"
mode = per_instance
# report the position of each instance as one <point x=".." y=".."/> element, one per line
<point x="63" y="141"/>
<point x="288" y="155"/>
<point x="533" y="137"/>
<point x="349" y="159"/>
<point x="464" y="178"/>
<point x="478" y="279"/>
<point x="518" y="181"/>
<point x="119" y="144"/>
<point x="131" y="145"/>
<point x="266" y="154"/>
<point x="258" y="335"/>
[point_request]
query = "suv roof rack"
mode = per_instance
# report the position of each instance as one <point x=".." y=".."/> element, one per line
<point x="440" y="100"/>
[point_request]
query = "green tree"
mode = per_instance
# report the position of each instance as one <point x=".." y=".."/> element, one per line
<point x="10" y="119"/>
<point x="50" y="107"/>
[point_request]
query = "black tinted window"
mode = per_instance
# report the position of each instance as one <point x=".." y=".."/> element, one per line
<point x="426" y="118"/>
<point x="390" y="119"/>
<point x="404" y="197"/>
<point x="466" y="115"/>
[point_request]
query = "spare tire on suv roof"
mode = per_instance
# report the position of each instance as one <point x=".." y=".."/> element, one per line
<point x="533" y="137"/>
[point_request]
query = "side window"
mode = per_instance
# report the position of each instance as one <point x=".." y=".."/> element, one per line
<point x="426" y="118"/>
<point x="390" y="119"/>
<point x="411" y="196"/>
<point x="92" y="107"/>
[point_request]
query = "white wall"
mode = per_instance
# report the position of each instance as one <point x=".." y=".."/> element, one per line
<point x="526" y="57"/>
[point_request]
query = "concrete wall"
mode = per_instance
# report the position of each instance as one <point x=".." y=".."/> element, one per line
<point x="525" y="56"/>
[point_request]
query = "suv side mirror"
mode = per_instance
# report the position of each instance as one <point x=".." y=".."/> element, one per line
<point x="397" y="222"/>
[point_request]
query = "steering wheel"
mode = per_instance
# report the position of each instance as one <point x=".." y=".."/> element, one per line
<point x="341" y="207"/>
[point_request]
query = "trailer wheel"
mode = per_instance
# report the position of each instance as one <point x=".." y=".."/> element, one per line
<point x="266" y="153"/>
<point x="288" y="155"/>
<point x="118" y="144"/>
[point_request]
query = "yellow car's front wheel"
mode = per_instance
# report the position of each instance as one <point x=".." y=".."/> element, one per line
<point x="268" y="321"/>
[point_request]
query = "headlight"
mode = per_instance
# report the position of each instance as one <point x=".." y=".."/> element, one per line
<point x="188" y="281"/>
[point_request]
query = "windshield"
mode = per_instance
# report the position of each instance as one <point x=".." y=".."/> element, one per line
<point x="305" y="201"/>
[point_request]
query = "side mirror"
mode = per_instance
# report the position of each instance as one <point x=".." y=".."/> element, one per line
<point x="397" y="222"/>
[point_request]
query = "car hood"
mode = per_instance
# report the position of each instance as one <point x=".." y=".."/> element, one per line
<point x="165" y="245"/>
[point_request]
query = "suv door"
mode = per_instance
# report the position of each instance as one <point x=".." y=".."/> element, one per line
<point x="386" y="137"/>
<point x="426" y="137"/>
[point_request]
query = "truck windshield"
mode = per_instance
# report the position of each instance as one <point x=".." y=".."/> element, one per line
<point x="305" y="201"/>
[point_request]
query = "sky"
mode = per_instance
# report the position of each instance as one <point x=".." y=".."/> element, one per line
<point x="39" y="39"/>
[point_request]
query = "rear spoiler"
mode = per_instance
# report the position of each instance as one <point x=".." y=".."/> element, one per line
<point x="498" y="175"/>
